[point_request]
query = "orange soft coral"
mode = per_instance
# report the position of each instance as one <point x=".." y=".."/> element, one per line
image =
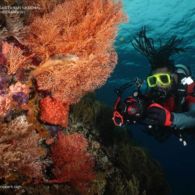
<point x="87" y="27"/>
<point x="87" y="31"/>
<point x="73" y="78"/>
<point x="54" y="111"/>
<point x="72" y="162"/>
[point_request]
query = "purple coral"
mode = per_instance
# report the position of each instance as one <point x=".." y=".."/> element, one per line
<point x="4" y="82"/>
<point x="20" y="97"/>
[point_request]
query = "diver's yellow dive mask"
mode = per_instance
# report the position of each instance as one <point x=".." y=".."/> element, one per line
<point x="163" y="79"/>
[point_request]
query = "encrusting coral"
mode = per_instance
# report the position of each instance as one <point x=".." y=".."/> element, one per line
<point x="54" y="112"/>
<point x="16" y="94"/>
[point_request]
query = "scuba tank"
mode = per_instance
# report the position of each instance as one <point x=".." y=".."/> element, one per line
<point x="182" y="70"/>
<point x="185" y="79"/>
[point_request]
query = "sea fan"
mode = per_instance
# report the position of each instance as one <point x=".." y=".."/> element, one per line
<point x="72" y="162"/>
<point x="68" y="80"/>
<point x="15" y="57"/>
<point x="88" y="27"/>
<point x="86" y="31"/>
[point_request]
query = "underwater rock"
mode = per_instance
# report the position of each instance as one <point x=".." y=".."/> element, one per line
<point x="121" y="167"/>
<point x="20" y="155"/>
<point x="43" y="189"/>
<point x="85" y="112"/>
<point x="124" y="167"/>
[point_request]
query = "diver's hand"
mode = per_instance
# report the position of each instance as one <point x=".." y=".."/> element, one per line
<point x="158" y="115"/>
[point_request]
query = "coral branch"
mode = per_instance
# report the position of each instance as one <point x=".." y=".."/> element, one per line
<point x="14" y="56"/>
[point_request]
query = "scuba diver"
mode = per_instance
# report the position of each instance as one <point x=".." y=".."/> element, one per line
<point x="165" y="101"/>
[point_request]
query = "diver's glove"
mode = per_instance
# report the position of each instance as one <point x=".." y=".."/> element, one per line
<point x="158" y="115"/>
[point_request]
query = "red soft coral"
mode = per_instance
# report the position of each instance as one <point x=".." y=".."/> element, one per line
<point x="72" y="162"/>
<point x="54" y="111"/>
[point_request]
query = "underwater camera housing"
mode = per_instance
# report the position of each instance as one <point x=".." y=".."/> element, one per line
<point x="131" y="109"/>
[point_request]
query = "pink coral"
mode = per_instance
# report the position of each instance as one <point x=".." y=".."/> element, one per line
<point x="6" y="100"/>
<point x="72" y="162"/>
<point x="18" y="87"/>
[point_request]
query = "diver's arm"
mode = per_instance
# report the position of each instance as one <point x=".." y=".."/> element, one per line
<point x="184" y="120"/>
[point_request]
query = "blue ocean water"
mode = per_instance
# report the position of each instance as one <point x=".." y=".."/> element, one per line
<point x="164" y="19"/>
